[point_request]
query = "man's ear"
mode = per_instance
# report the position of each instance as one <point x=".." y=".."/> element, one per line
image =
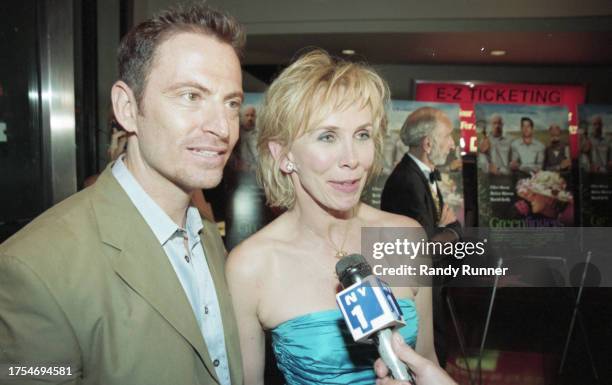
<point x="427" y="144"/>
<point x="276" y="149"/>
<point x="125" y="106"/>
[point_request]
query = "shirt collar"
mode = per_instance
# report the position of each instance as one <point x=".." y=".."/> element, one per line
<point x="160" y="223"/>
<point x="424" y="168"/>
<point x="194" y="225"/>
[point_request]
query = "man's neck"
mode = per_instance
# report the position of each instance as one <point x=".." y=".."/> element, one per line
<point x="527" y="139"/>
<point x="422" y="156"/>
<point x="170" y="198"/>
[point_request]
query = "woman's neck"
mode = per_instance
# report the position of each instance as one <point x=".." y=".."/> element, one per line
<point x="330" y="225"/>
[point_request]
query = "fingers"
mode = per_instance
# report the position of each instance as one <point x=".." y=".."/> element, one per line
<point x="381" y="369"/>
<point x="405" y="352"/>
<point x="390" y="381"/>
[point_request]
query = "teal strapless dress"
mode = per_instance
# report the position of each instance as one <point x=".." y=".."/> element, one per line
<point x="317" y="348"/>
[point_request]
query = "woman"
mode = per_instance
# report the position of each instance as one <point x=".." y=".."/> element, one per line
<point x="546" y="201"/>
<point x="322" y="126"/>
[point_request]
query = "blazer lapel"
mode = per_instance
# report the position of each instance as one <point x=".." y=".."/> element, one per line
<point x="215" y="257"/>
<point x="142" y="263"/>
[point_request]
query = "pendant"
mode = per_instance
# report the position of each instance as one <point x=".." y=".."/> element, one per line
<point x="341" y="254"/>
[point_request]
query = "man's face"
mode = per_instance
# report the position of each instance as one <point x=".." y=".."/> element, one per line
<point x="555" y="134"/>
<point x="597" y="127"/>
<point x="249" y="118"/>
<point x="526" y="129"/>
<point x="497" y="126"/>
<point x="443" y="142"/>
<point x="188" y="118"/>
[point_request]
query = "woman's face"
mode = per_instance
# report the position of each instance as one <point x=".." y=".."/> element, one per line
<point x="333" y="159"/>
<point x="541" y="204"/>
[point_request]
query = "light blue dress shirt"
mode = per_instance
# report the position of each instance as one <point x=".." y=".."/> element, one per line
<point x="189" y="264"/>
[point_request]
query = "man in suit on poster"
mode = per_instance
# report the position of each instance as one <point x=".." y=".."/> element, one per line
<point x="412" y="190"/>
<point x="123" y="283"/>
<point x="556" y="154"/>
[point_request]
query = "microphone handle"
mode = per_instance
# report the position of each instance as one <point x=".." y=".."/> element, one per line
<point x="399" y="371"/>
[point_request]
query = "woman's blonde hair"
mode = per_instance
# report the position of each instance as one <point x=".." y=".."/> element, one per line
<point x="307" y="91"/>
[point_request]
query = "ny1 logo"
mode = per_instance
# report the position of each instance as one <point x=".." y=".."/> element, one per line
<point x="368" y="308"/>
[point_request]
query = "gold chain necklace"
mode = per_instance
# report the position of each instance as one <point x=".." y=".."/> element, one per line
<point x="340" y="252"/>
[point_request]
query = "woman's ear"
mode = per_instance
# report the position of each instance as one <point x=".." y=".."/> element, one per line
<point x="276" y="149"/>
<point x="125" y="106"/>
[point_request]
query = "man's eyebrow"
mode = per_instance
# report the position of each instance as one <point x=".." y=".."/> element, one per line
<point x="188" y="84"/>
<point x="235" y="94"/>
<point x="203" y="89"/>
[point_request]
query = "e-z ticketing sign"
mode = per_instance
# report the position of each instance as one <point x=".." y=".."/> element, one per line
<point x="369" y="306"/>
<point x="466" y="94"/>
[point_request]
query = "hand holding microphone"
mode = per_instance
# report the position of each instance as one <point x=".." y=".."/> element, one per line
<point x="370" y="309"/>
<point x="425" y="371"/>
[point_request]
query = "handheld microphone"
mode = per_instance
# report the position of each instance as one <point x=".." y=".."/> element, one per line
<point x="370" y="309"/>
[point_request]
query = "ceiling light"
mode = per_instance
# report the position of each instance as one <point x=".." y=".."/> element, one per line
<point x="348" y="52"/>
<point x="497" y="52"/>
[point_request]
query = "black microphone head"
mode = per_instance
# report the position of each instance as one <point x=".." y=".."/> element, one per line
<point x="352" y="268"/>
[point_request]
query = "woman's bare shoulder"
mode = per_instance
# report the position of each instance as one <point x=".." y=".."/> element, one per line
<point x="256" y="251"/>
<point x="378" y="218"/>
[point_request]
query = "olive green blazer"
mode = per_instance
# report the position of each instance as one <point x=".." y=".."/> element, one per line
<point x="87" y="284"/>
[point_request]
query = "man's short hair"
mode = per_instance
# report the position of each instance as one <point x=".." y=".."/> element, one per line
<point x="138" y="48"/>
<point x="526" y="119"/>
<point x="244" y="109"/>
<point x="496" y="116"/>
<point x="596" y="119"/>
<point x="420" y="124"/>
<point x="300" y="98"/>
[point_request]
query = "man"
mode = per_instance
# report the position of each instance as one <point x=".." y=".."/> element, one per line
<point x="527" y="152"/>
<point x="584" y="159"/>
<point x="556" y="154"/>
<point x="411" y="190"/>
<point x="122" y="282"/>
<point x="248" y="140"/>
<point x="601" y="154"/>
<point x="497" y="148"/>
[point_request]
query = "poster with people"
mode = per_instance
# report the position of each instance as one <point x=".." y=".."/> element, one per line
<point x="239" y="202"/>
<point x="524" y="166"/>
<point x="451" y="177"/>
<point x="595" y="164"/>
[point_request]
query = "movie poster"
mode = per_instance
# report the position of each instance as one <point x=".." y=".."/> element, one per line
<point x="394" y="149"/>
<point x="239" y="202"/>
<point x="468" y="94"/>
<point x="595" y="162"/>
<point x="524" y="166"/>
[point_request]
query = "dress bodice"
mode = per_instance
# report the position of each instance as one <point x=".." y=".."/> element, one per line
<point x="317" y="348"/>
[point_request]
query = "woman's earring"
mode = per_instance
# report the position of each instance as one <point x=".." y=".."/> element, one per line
<point x="290" y="167"/>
